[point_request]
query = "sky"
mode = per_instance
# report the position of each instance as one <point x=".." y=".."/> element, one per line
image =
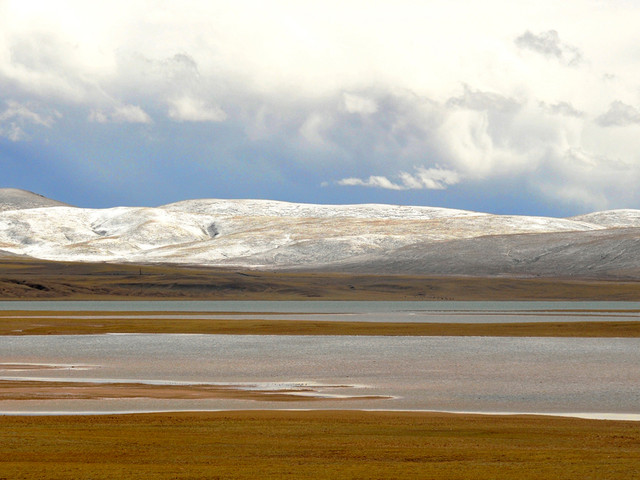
<point x="527" y="107"/>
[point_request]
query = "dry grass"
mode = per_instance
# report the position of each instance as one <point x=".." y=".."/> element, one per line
<point x="60" y="325"/>
<point x="321" y="444"/>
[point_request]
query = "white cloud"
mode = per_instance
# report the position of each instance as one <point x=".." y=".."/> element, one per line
<point x="359" y="104"/>
<point x="188" y="109"/>
<point x="372" y="181"/>
<point x="16" y="111"/>
<point x="18" y="117"/>
<point x="120" y="114"/>
<point x="423" y="178"/>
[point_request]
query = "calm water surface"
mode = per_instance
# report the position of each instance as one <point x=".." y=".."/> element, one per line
<point x="422" y="373"/>
<point x="311" y="306"/>
<point x="427" y="312"/>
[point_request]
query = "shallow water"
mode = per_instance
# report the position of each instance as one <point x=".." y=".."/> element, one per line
<point x="409" y="312"/>
<point x="481" y="374"/>
<point x="319" y="306"/>
<point x="386" y="317"/>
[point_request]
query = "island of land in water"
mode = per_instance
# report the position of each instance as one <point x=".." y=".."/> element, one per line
<point x="67" y="323"/>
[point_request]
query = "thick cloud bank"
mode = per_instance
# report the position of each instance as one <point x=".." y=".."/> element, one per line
<point x="486" y="105"/>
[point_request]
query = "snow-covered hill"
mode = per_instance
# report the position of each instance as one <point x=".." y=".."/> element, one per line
<point x="612" y="218"/>
<point x="371" y="238"/>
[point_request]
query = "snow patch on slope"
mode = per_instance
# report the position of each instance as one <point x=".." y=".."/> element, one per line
<point x="270" y="208"/>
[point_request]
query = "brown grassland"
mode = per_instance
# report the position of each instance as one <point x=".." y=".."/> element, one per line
<point x="317" y="444"/>
<point x="33" y="279"/>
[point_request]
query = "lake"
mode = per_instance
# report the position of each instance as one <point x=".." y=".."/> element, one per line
<point x="480" y="374"/>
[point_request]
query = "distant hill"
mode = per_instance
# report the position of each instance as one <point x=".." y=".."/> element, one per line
<point x="269" y="235"/>
<point x="15" y="199"/>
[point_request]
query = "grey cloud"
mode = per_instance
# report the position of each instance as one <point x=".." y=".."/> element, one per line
<point x="175" y="73"/>
<point x="181" y="67"/>
<point x="484" y="101"/>
<point x="549" y="44"/>
<point x="562" y="108"/>
<point x="619" y="115"/>
<point x="401" y="126"/>
<point x="382" y="131"/>
<point x="186" y="62"/>
<point x="174" y="85"/>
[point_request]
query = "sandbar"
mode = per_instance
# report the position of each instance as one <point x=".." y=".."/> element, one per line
<point x="61" y="324"/>
<point x="24" y="389"/>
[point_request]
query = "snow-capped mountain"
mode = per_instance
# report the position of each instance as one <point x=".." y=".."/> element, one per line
<point x="363" y="238"/>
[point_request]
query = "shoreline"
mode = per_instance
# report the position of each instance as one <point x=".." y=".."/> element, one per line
<point x="594" y="416"/>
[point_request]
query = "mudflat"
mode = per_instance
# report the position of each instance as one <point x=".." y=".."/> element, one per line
<point x="67" y="323"/>
<point x="316" y="444"/>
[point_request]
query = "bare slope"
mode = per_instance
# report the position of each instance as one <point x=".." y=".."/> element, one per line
<point x="610" y="253"/>
<point x="15" y="199"/>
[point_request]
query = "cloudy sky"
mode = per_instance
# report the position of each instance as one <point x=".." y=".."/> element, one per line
<point x="528" y="107"/>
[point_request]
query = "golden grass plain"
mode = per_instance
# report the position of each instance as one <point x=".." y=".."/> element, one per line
<point x="317" y="444"/>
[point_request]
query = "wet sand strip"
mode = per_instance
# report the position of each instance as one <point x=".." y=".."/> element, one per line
<point x="59" y="325"/>
<point x="63" y="390"/>
<point x="316" y="444"/>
